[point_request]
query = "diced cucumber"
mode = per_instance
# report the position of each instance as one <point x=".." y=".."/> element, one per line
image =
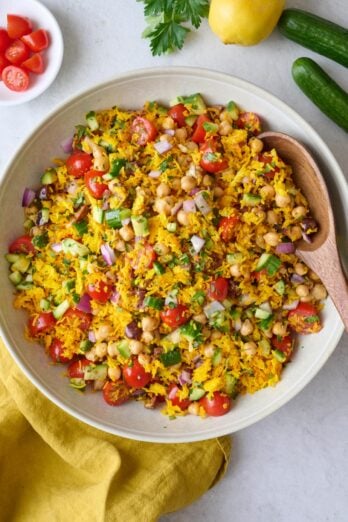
<point x="43" y="217"/>
<point x="210" y="127"/>
<point x="25" y="285"/>
<point x="28" y="224"/>
<point x="123" y="349"/>
<point x="230" y="384"/>
<point x="21" y="265"/>
<point x="49" y="177"/>
<point x="60" y="310"/>
<point x="154" y="302"/>
<point x="29" y="278"/>
<point x="265" y="346"/>
<point x="262" y="314"/>
<point x="171" y="227"/>
<point x="191" y="120"/>
<point x="113" y="218"/>
<point x="69" y="285"/>
<point x="194" y="103"/>
<point x="233" y="110"/>
<point x="70" y="246"/>
<point x="95" y="373"/>
<point x="98" y="214"/>
<point x="81" y="227"/>
<point x="279" y="287"/>
<point x="15" y="277"/>
<point x="192" y="330"/>
<point x="262" y="262"/>
<point x="77" y="383"/>
<point x="251" y="199"/>
<point x="171" y="358"/>
<point x="234" y="258"/>
<point x="41" y="240"/>
<point x="140" y="226"/>
<point x="269" y="262"/>
<point x="279" y="355"/>
<point x="196" y="394"/>
<point x="44" y="304"/>
<point x="92" y="121"/>
<point x="85" y="345"/>
<point x="12" y="258"/>
<point x="116" y="166"/>
<point x="217" y="357"/>
<point x="159" y="268"/>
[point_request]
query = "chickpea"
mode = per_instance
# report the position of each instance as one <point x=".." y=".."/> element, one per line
<point x="218" y="192"/>
<point x="143" y="359"/>
<point x="279" y="329"/>
<point x="135" y="347"/>
<point x="120" y="245"/>
<point x="271" y="238"/>
<point x="261" y="214"/>
<point x="163" y="190"/>
<point x="272" y="217"/>
<point x="181" y="134"/>
<point x="249" y="348"/>
<point x="147" y="337"/>
<point x="247" y="327"/>
<point x="101" y="350"/>
<point x="91" y="355"/>
<point x="302" y="290"/>
<point x="161" y="249"/>
<point x="319" y="292"/>
<point x="299" y="212"/>
<point x="225" y="116"/>
<point x="300" y="269"/>
<point x="225" y="128"/>
<point x="112" y="349"/>
<point x="148" y="323"/>
<point x="193" y="408"/>
<point x="267" y="192"/>
<point x="114" y="373"/>
<point x="209" y="350"/>
<point x="126" y="233"/>
<point x="207" y="181"/>
<point x="162" y="206"/>
<point x="183" y="217"/>
<point x="168" y="123"/>
<point x="294" y="233"/>
<point x="237" y="324"/>
<point x="256" y="145"/>
<point x="283" y="200"/>
<point x="314" y="276"/>
<point x="191" y="146"/>
<point x="200" y="318"/>
<point x="235" y="271"/>
<point x="215" y="335"/>
<point x="260" y="241"/>
<point x="103" y="332"/>
<point x="176" y="183"/>
<point x="188" y="183"/>
<point x="166" y="137"/>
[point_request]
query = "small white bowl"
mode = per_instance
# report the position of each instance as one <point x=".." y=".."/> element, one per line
<point x="41" y="17"/>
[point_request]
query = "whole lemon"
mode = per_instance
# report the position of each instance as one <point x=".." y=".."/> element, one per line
<point x="244" y="22"/>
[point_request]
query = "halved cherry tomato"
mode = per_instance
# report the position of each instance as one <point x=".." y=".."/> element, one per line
<point x="15" y="78"/>
<point x="22" y="245"/>
<point x="3" y="63"/>
<point x="34" y="64"/>
<point x="84" y="319"/>
<point x="249" y="121"/>
<point x="115" y="393"/>
<point x="95" y="183"/>
<point x="173" y="390"/>
<point x="18" y="26"/>
<point x="36" y="41"/>
<point x="143" y="130"/>
<point x="199" y="132"/>
<point x="305" y="319"/>
<point x="218" y="405"/>
<point x="76" y="370"/>
<point x="283" y="344"/>
<point x="17" y="52"/>
<point x="218" y="289"/>
<point x="5" y="40"/>
<point x="178" y="113"/>
<point x="267" y="159"/>
<point x="227" y="227"/>
<point x="78" y="163"/>
<point x="175" y="317"/>
<point x="56" y="350"/>
<point x="100" y="291"/>
<point x="146" y="257"/>
<point x="211" y="159"/>
<point x="41" y="323"/>
<point x="135" y="375"/>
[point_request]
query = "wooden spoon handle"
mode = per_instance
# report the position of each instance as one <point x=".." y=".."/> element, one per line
<point x="325" y="262"/>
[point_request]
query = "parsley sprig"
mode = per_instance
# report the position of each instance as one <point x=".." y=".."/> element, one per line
<point x="165" y="19"/>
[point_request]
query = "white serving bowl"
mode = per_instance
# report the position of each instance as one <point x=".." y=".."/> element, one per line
<point x="130" y="90"/>
<point x="42" y="18"/>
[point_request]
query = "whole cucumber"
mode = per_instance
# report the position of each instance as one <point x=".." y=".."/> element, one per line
<point x="324" y="92"/>
<point x="315" y="33"/>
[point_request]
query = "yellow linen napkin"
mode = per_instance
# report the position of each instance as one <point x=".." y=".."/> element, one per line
<point x="54" y="468"/>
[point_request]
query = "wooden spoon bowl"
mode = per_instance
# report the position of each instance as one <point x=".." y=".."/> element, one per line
<point x="321" y="255"/>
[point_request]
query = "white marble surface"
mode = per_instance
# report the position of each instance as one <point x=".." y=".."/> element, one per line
<point x="293" y="465"/>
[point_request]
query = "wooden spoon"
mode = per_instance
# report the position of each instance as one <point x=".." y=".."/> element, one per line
<point x="321" y="255"/>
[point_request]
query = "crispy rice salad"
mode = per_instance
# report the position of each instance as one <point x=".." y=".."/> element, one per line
<point x="158" y="262"/>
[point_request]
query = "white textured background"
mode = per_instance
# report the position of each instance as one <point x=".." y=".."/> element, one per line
<point x="292" y="466"/>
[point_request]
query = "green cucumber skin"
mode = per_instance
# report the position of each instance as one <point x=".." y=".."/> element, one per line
<point x="324" y="92"/>
<point x="315" y="33"/>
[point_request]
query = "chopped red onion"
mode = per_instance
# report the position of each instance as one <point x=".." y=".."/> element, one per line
<point x="91" y="336"/>
<point x="162" y="146"/>
<point x="306" y="238"/>
<point x="57" y="247"/>
<point x="115" y="297"/>
<point x="105" y="205"/>
<point x="176" y="208"/>
<point x="237" y="324"/>
<point x="108" y="254"/>
<point x="197" y="243"/>
<point x="194" y="191"/>
<point x="172" y="393"/>
<point x="67" y="145"/>
<point x="133" y="331"/>
<point x="189" y="205"/>
<point x="170" y="132"/>
<point x="212" y="308"/>
<point x="154" y="174"/>
<point x="28" y="197"/>
<point x="285" y="248"/>
<point x="201" y="203"/>
<point x="84" y="305"/>
<point x="185" y="378"/>
<point x="291" y="306"/>
<point x="295" y="278"/>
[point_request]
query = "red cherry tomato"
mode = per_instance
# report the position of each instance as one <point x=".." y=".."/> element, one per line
<point x="95" y="184"/>
<point x="100" y="291"/>
<point x="41" y="323"/>
<point x="218" y="289"/>
<point x="76" y="369"/>
<point x="227" y="227"/>
<point x="5" y="40"/>
<point x="3" y="63"/>
<point x="173" y="390"/>
<point x="15" y="78"/>
<point x="73" y="314"/>
<point x="255" y="276"/>
<point x="146" y="257"/>
<point x="211" y="159"/>
<point x="178" y="113"/>
<point x="18" y="26"/>
<point x="283" y="344"/>
<point x="143" y="130"/>
<point x="78" y="163"/>
<point x="36" y="41"/>
<point x="34" y="64"/>
<point x="17" y="52"/>
<point x="56" y="350"/>
<point x="199" y="132"/>
<point x="267" y="160"/>
<point x="305" y="319"/>
<point x="115" y="393"/>
<point x="135" y="375"/>
<point x="175" y="317"/>
<point x="22" y="245"/>
<point x="219" y="404"/>
<point x="249" y="121"/>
